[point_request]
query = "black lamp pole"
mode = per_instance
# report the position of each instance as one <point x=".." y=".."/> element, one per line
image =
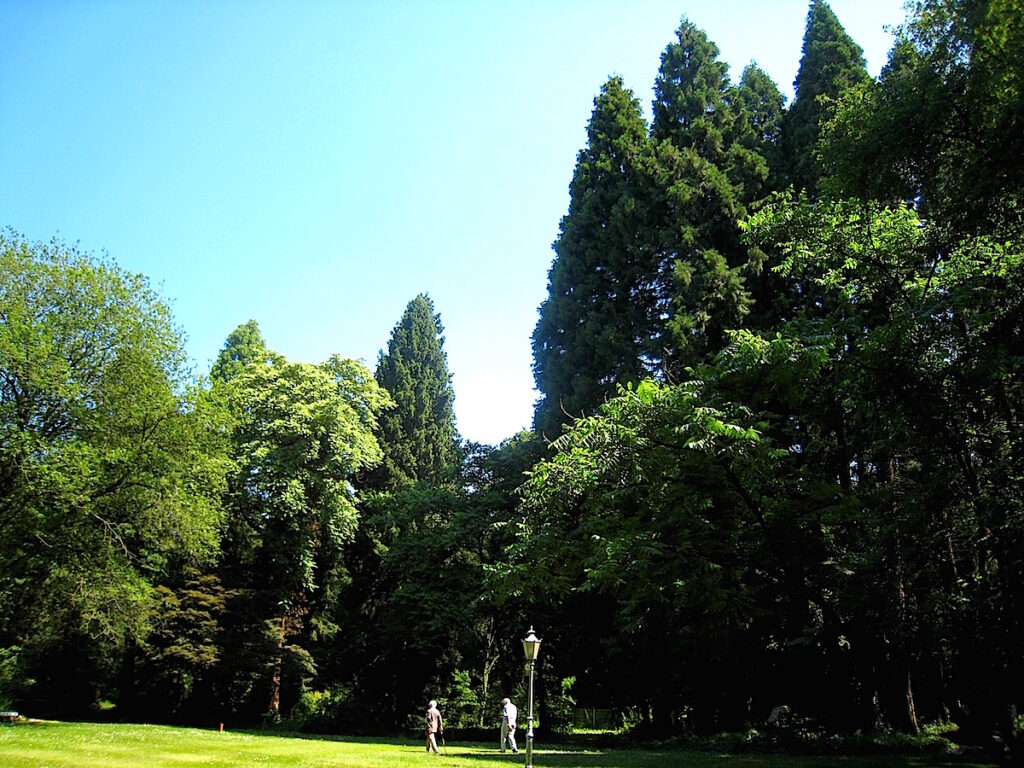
<point x="531" y="649"/>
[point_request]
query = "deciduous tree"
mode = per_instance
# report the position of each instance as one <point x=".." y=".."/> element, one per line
<point x="111" y="460"/>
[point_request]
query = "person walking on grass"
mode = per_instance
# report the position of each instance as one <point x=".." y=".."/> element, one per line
<point x="508" y="725"/>
<point x="435" y="726"/>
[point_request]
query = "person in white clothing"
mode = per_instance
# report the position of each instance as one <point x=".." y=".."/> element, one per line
<point x="508" y="725"/>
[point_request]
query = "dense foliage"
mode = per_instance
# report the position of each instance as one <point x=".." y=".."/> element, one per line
<point x="418" y="434"/>
<point x="777" y="464"/>
<point x="822" y="509"/>
<point x="111" y="465"/>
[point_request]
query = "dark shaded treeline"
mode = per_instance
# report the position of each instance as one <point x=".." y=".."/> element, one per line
<point x="780" y="364"/>
<point x="813" y="500"/>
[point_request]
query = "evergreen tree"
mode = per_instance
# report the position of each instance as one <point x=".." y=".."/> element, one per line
<point x="648" y="272"/>
<point x="600" y="324"/>
<point x="735" y="128"/>
<point x="832" y="63"/>
<point x="418" y="436"/>
<point x="243" y="347"/>
<point x="708" y="168"/>
<point x="760" y="113"/>
<point x="690" y="108"/>
<point x="759" y="108"/>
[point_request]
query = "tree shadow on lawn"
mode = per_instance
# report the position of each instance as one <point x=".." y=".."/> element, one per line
<point x="667" y="758"/>
<point x="566" y="756"/>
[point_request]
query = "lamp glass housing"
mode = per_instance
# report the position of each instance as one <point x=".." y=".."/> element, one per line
<point x="531" y="646"/>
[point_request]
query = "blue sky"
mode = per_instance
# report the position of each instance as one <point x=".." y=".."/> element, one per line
<point x="315" y="165"/>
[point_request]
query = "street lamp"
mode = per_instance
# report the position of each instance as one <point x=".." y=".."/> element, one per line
<point x="531" y="649"/>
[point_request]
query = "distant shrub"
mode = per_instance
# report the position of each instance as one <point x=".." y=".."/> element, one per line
<point x="13" y="682"/>
<point x="461" y="705"/>
<point x="561" y="708"/>
<point x="322" y="711"/>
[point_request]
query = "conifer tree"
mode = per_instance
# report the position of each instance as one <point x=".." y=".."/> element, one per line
<point x="831" y="64"/>
<point x="599" y="326"/>
<point x="690" y="109"/>
<point x="759" y="108"/>
<point x="243" y="347"/>
<point x="708" y="167"/>
<point x="418" y="436"/>
<point x="648" y="272"/>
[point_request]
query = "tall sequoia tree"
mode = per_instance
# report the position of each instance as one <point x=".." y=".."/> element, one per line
<point x="710" y="144"/>
<point x="690" y="109"/>
<point x="600" y="325"/>
<point x="759" y="109"/>
<point x="648" y="274"/>
<point x="418" y="435"/>
<point x="831" y="64"/>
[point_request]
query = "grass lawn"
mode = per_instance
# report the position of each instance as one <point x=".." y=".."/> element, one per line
<point x="86" y="745"/>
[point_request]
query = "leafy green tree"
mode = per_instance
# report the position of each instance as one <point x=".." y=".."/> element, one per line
<point x="600" y="324"/>
<point x="645" y="506"/>
<point x="111" y="461"/>
<point x="917" y="454"/>
<point x="421" y="614"/>
<point x="418" y="435"/>
<point x="493" y="477"/>
<point x="831" y="64"/>
<point x="943" y="120"/>
<point x="863" y="535"/>
<point x="302" y="434"/>
<point x="423" y="591"/>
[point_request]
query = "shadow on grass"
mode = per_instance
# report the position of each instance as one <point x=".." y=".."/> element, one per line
<point x="588" y="755"/>
<point x="653" y="758"/>
<point x="29" y="721"/>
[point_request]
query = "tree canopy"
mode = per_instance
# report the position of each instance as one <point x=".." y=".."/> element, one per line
<point x="111" y="460"/>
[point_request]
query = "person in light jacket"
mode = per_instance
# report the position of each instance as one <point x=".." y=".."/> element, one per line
<point x="508" y="725"/>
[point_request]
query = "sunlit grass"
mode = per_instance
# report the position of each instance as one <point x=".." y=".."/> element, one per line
<point x="84" y="745"/>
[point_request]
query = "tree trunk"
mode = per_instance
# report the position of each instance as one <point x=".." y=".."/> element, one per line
<point x="490" y="660"/>
<point x="275" y="678"/>
<point x="911" y="710"/>
<point x="902" y="597"/>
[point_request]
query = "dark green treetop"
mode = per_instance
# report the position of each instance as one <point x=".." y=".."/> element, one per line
<point x="944" y="125"/>
<point x="831" y="64"/>
<point x="243" y="347"/>
<point x="759" y="108"/>
<point x="708" y="167"/>
<point x="599" y="325"/>
<point x="689" y="92"/>
<point x="418" y="435"/>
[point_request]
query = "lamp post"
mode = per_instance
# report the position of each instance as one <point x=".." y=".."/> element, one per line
<point x="531" y="649"/>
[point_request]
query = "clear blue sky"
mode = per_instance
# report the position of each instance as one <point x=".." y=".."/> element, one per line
<point x="315" y="165"/>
